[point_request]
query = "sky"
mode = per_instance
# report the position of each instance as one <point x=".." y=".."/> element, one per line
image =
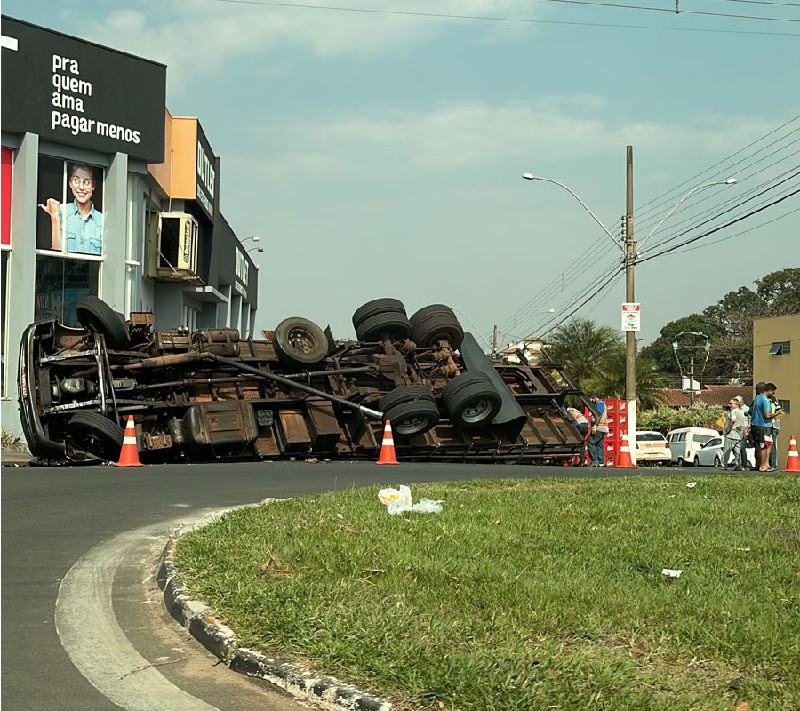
<point x="377" y="147"/>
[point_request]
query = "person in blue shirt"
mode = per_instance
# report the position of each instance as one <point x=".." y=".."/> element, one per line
<point x="78" y="221"/>
<point x="761" y="415"/>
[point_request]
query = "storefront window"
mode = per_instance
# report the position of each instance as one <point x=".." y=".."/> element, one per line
<point x="61" y="284"/>
<point x="70" y="198"/>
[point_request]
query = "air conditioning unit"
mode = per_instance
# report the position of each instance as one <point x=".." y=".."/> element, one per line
<point x="172" y="248"/>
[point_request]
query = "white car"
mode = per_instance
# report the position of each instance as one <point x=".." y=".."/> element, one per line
<point x="710" y="454"/>
<point x="652" y="448"/>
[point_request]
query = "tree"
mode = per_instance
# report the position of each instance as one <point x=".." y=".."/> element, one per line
<point x="781" y="291"/>
<point x="595" y="359"/>
<point x="729" y="327"/>
<point x="583" y="348"/>
<point x="612" y="379"/>
<point x="662" y="352"/>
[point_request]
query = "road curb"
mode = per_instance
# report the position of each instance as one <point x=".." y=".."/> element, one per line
<point x="199" y="620"/>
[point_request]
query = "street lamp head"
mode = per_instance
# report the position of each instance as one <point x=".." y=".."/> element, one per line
<point x="528" y="176"/>
<point x="730" y="181"/>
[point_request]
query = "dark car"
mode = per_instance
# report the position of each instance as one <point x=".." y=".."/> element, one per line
<point x="209" y="394"/>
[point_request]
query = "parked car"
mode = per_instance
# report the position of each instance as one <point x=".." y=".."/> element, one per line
<point x="652" y="448"/>
<point x="710" y="453"/>
<point x="211" y="395"/>
<point x="685" y="442"/>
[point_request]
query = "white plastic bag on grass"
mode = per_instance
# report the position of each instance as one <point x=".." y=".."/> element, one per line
<point x="428" y="506"/>
<point x="396" y="500"/>
<point x="399" y="501"/>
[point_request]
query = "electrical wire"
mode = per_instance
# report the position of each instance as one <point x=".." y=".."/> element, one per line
<point x="761" y="156"/>
<point x="723" y="226"/>
<point x="488" y="18"/>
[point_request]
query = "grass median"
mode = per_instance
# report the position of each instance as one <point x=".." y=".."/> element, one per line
<point x="524" y="594"/>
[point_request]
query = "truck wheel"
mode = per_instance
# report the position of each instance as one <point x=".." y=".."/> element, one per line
<point x="405" y="393"/>
<point x="427" y="311"/>
<point x="436" y="327"/>
<point x="412" y="418"/>
<point x="392" y="324"/>
<point x="471" y="399"/>
<point x="300" y="342"/>
<point x="96" y="434"/>
<point x="378" y="306"/>
<point x="96" y="315"/>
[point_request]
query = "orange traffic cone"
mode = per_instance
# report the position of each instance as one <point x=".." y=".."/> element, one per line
<point x="387" y="455"/>
<point x="792" y="459"/>
<point x="129" y="456"/>
<point x="624" y="460"/>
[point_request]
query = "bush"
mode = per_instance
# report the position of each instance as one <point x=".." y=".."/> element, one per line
<point x="663" y="419"/>
<point x="12" y="442"/>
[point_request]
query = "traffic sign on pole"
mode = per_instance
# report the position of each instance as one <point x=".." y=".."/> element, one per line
<point x="631" y="317"/>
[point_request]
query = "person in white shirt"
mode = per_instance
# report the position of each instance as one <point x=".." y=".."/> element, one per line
<point x="735" y="423"/>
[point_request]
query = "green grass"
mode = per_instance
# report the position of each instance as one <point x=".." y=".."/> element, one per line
<point x="524" y="595"/>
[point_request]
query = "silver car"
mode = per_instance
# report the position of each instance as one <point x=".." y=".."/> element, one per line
<point x="710" y="454"/>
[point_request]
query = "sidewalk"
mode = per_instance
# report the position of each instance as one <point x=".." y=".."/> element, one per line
<point x="15" y="457"/>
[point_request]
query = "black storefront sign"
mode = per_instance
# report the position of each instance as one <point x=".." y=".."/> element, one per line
<point x="206" y="174"/>
<point x="70" y="91"/>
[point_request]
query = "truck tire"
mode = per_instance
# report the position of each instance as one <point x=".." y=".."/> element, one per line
<point x="412" y="418"/>
<point x="392" y="324"/>
<point x="96" y="315"/>
<point x="405" y="393"/>
<point x="437" y="327"/>
<point x="375" y="307"/>
<point x="93" y="433"/>
<point x="427" y="311"/>
<point x="299" y="342"/>
<point x="471" y="400"/>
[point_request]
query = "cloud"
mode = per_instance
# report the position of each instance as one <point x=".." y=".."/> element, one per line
<point x="197" y="38"/>
<point x="472" y="135"/>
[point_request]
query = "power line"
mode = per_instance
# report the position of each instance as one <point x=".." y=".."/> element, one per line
<point x="721" y="227"/>
<point x="524" y="20"/>
<point x="755" y="158"/>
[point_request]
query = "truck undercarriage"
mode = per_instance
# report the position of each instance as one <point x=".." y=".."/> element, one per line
<point x="297" y="393"/>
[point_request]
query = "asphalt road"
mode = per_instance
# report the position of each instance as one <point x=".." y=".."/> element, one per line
<point x="79" y="549"/>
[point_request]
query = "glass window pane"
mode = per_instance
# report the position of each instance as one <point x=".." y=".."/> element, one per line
<point x="61" y="284"/>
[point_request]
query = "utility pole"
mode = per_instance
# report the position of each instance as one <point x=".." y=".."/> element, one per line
<point x="494" y="341"/>
<point x="630" y="297"/>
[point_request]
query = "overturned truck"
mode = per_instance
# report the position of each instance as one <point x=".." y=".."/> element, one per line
<point x="297" y="393"/>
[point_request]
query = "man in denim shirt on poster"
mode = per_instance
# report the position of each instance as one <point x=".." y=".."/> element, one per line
<point x="84" y="224"/>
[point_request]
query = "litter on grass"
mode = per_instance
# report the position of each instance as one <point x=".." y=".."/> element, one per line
<point x="668" y="573"/>
<point x="399" y="501"/>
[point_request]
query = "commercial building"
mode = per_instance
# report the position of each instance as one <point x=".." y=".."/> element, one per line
<point x="776" y="359"/>
<point x="105" y="193"/>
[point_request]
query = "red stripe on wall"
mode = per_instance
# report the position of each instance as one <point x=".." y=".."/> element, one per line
<point x="5" y="188"/>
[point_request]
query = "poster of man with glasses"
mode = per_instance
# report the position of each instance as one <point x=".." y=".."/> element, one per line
<point x="76" y="220"/>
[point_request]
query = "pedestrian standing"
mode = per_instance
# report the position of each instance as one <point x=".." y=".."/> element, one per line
<point x="776" y="427"/>
<point x="599" y="430"/>
<point x="735" y="424"/>
<point x="744" y="462"/>
<point x="581" y="423"/>
<point x="761" y="417"/>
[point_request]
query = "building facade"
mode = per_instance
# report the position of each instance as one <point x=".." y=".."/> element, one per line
<point x="104" y="193"/>
<point x="776" y="359"/>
